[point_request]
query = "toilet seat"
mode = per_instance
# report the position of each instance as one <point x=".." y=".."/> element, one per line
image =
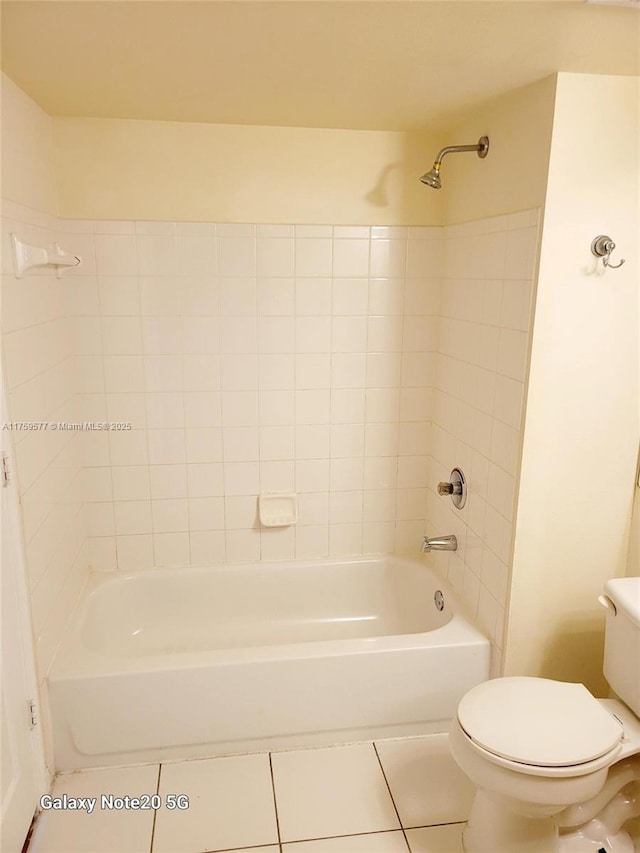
<point x="539" y="726"/>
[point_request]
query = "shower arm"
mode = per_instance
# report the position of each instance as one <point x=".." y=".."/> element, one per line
<point x="480" y="147"/>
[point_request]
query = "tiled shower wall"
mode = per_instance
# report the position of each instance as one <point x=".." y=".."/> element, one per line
<point x="40" y="380"/>
<point x="251" y="359"/>
<point x="355" y="366"/>
<point x="484" y="338"/>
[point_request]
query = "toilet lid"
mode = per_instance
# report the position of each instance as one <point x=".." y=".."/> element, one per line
<point x="538" y="721"/>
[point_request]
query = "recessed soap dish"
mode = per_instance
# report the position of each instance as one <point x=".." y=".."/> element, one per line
<point x="278" y="510"/>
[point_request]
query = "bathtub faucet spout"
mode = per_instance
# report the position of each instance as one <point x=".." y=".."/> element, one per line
<point x="439" y="543"/>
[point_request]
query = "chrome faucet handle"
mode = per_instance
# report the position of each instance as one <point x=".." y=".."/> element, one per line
<point x="456" y="488"/>
<point x="449" y="488"/>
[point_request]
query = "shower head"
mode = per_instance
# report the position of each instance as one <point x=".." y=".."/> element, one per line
<point x="432" y="178"/>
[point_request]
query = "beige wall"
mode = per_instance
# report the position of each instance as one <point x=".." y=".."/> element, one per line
<point x="582" y="430"/>
<point x="28" y="175"/>
<point x="117" y="169"/>
<point x="513" y="176"/>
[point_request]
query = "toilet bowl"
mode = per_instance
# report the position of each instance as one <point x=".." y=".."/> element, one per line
<point x="540" y="751"/>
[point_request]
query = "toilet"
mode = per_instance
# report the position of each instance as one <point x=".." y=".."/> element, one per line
<point x="557" y="770"/>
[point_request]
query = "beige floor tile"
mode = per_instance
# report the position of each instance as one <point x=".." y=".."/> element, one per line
<point x="426" y="784"/>
<point x="230" y="805"/>
<point x="330" y="792"/>
<point x="436" y="839"/>
<point x="104" y="830"/>
<point x="377" y="842"/>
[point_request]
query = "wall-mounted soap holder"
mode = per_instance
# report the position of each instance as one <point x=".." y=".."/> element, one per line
<point x="278" y="510"/>
<point x="25" y="257"/>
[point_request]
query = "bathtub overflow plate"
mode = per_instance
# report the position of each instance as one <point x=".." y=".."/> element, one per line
<point x="439" y="599"/>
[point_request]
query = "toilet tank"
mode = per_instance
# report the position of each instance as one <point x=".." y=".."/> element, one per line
<point x="622" y="639"/>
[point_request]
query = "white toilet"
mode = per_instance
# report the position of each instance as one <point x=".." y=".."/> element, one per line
<point x="556" y="769"/>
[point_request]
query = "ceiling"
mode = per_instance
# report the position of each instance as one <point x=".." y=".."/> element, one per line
<point x="359" y="65"/>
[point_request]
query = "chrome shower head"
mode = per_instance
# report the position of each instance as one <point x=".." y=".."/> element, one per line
<point x="432" y="178"/>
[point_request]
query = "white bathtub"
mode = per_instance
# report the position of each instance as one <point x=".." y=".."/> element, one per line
<point x="186" y="663"/>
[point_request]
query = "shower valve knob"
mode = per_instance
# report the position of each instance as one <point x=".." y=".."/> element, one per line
<point x="456" y="488"/>
<point x="448" y="489"/>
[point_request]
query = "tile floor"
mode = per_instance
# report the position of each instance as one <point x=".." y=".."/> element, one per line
<point x="385" y="797"/>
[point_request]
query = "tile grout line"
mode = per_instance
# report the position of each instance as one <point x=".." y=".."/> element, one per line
<point x="395" y="808"/>
<point x="275" y="802"/>
<point x="155" y="812"/>
<point x="350" y="835"/>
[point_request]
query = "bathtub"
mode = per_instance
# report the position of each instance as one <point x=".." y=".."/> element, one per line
<point x="187" y="663"/>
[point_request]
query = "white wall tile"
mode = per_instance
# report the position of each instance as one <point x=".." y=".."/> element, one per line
<point x="312" y="475"/>
<point x="130" y="483"/>
<point x="349" y="334"/>
<point x="312" y="297"/>
<point x="277" y="408"/>
<point x="165" y="410"/>
<point x="207" y="547"/>
<point x="161" y="335"/>
<point x="121" y="335"/>
<point x="276" y="297"/>
<point x="274" y="256"/>
<point x="118" y="296"/>
<point x="277" y="443"/>
<point x="156" y="255"/>
<point x="240" y="444"/>
<point x="276" y="372"/>
<point x="238" y="334"/>
<point x="348" y="370"/>
<point x="312" y="371"/>
<point x="236" y="256"/>
<point x="242" y="545"/>
<point x="350" y="257"/>
<point x="278" y="544"/>
<point x="312" y="407"/>
<point x="241" y="478"/>
<point x="312" y="441"/>
<point x="132" y="516"/>
<point x="313" y="257"/>
<point x="135" y="552"/>
<point x="197" y="296"/>
<point x="313" y="334"/>
<point x="170" y="516"/>
<point x="276" y="335"/>
<point x="115" y="254"/>
<point x="312" y="541"/>
<point x="206" y="513"/>
<point x="237" y="297"/>
<point x="388" y="258"/>
<point x="195" y="254"/>
<point x="199" y="334"/>
<point x="313" y="508"/>
<point x="350" y="296"/>
<point x="203" y="409"/>
<point x="239" y="408"/>
<point x="168" y="481"/>
<point x="203" y="444"/>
